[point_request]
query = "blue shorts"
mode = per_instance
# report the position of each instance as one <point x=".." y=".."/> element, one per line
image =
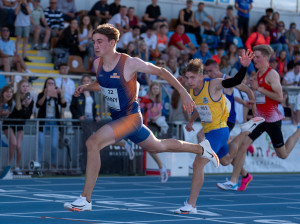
<point x="218" y="140"/>
<point x="131" y="127"/>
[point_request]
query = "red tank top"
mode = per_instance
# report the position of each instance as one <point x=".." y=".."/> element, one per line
<point x="266" y="107"/>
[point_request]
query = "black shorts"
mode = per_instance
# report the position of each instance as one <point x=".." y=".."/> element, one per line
<point x="230" y="125"/>
<point x="14" y="128"/>
<point x="274" y="131"/>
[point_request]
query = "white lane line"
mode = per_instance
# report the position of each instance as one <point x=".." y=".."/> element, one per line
<point x="293" y="207"/>
<point x="236" y="211"/>
<point x="217" y="199"/>
<point x="148" y="192"/>
<point x="281" y="198"/>
<point x="255" y="217"/>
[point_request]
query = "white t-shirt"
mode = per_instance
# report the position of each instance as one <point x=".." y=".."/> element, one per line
<point x="150" y="41"/>
<point x="291" y="77"/>
<point x="88" y="110"/>
<point x="125" y="39"/>
<point x="116" y="19"/>
<point x="68" y="86"/>
<point x="50" y="108"/>
<point x="22" y="19"/>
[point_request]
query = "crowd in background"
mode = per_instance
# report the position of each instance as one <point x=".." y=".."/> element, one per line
<point x="170" y="43"/>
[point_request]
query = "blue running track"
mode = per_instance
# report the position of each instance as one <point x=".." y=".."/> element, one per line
<point x="272" y="199"/>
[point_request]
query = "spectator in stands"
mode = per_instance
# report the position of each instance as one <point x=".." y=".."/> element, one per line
<point x="220" y="52"/>
<point x="282" y="63"/>
<point x="258" y="38"/>
<point x="277" y="41"/>
<point x="227" y="31"/>
<point x="243" y="7"/>
<point x="151" y="39"/>
<point x="133" y="19"/>
<point x="8" y="54"/>
<point x="114" y="7"/>
<point x="292" y="77"/>
<point x="6" y="101"/>
<point x="203" y="53"/>
<point x="172" y="67"/>
<point x="229" y="14"/>
<point x="232" y="54"/>
<point x="84" y="106"/>
<point x="162" y="38"/>
<point x="186" y="17"/>
<point x="13" y="130"/>
<point x="288" y="109"/>
<point x="225" y="66"/>
<point x="266" y="19"/>
<point x="120" y="20"/>
<point x="37" y="19"/>
<point x="143" y="51"/>
<point x="296" y="58"/>
<point x="153" y="15"/>
<point x="202" y="16"/>
<point x="131" y="36"/>
<point x="66" y="85"/>
<point x="48" y="103"/>
<point x="68" y="43"/>
<point x="274" y="64"/>
<point x="99" y="13"/>
<point x="275" y="19"/>
<point x="179" y="39"/>
<point x="85" y="39"/>
<point x="22" y="25"/>
<point x="172" y="52"/>
<point x="68" y="8"/>
<point x="291" y="38"/>
<point x="7" y="14"/>
<point x="131" y="49"/>
<point x="55" y="21"/>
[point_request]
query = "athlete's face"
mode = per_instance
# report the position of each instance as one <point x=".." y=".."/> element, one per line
<point x="212" y="71"/>
<point x="260" y="61"/>
<point x="102" y="45"/>
<point x="192" y="79"/>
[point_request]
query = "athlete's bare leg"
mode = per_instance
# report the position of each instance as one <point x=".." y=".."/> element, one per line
<point x="103" y="137"/>
<point x="284" y="151"/>
<point x="198" y="179"/>
<point x="156" y="159"/>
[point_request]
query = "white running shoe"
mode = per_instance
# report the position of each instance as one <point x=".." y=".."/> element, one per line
<point x="79" y="205"/>
<point x="186" y="209"/>
<point x="164" y="175"/>
<point x="228" y="185"/>
<point x="130" y="149"/>
<point x="209" y="153"/>
<point x="252" y="124"/>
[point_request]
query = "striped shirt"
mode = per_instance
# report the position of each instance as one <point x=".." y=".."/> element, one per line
<point x="54" y="18"/>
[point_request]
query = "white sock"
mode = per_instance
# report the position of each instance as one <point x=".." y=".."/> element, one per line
<point x="44" y="45"/>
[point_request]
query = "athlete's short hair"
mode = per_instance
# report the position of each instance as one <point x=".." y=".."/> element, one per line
<point x="210" y="61"/>
<point x="266" y="50"/>
<point x="109" y="31"/>
<point x="194" y="66"/>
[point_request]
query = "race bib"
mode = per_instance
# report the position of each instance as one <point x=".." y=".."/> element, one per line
<point x="260" y="98"/>
<point x="111" y="96"/>
<point x="204" y="113"/>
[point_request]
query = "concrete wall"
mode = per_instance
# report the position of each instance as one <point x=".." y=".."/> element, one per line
<point x="170" y="9"/>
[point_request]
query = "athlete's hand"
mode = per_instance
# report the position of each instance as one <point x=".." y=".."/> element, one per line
<point x="246" y="58"/>
<point x="79" y="90"/>
<point x="189" y="127"/>
<point x="187" y="102"/>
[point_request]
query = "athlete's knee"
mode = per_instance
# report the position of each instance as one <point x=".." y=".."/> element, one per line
<point x="282" y="155"/>
<point x="91" y="143"/>
<point x="226" y="160"/>
<point x="199" y="163"/>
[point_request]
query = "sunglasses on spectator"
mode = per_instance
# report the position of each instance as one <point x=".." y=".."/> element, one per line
<point x="4" y="30"/>
<point x="280" y="25"/>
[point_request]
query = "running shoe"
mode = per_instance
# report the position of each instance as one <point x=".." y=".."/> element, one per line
<point x="209" y="153"/>
<point x="18" y="171"/>
<point x="245" y="182"/>
<point x="228" y="185"/>
<point x="251" y="149"/>
<point x="186" y="209"/>
<point x="252" y="124"/>
<point x="79" y="205"/>
<point x="130" y="149"/>
<point x="164" y="175"/>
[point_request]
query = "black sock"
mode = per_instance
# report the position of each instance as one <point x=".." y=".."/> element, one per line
<point x="246" y="176"/>
<point x="88" y="201"/>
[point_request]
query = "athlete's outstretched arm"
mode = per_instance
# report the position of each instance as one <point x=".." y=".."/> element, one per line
<point x="138" y="65"/>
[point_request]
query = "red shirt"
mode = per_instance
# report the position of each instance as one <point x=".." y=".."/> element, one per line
<point x="175" y="38"/>
<point x="265" y="106"/>
<point x="215" y="57"/>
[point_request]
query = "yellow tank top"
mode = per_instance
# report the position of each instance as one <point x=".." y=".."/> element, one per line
<point x="213" y="114"/>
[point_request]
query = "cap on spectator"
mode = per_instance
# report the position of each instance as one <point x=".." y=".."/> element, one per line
<point x="230" y="7"/>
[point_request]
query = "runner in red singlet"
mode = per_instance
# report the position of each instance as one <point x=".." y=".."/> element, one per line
<point x="268" y="95"/>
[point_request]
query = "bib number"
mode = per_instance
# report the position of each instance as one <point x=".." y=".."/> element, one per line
<point x="111" y="96"/>
<point x="260" y="98"/>
<point x="204" y="113"/>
